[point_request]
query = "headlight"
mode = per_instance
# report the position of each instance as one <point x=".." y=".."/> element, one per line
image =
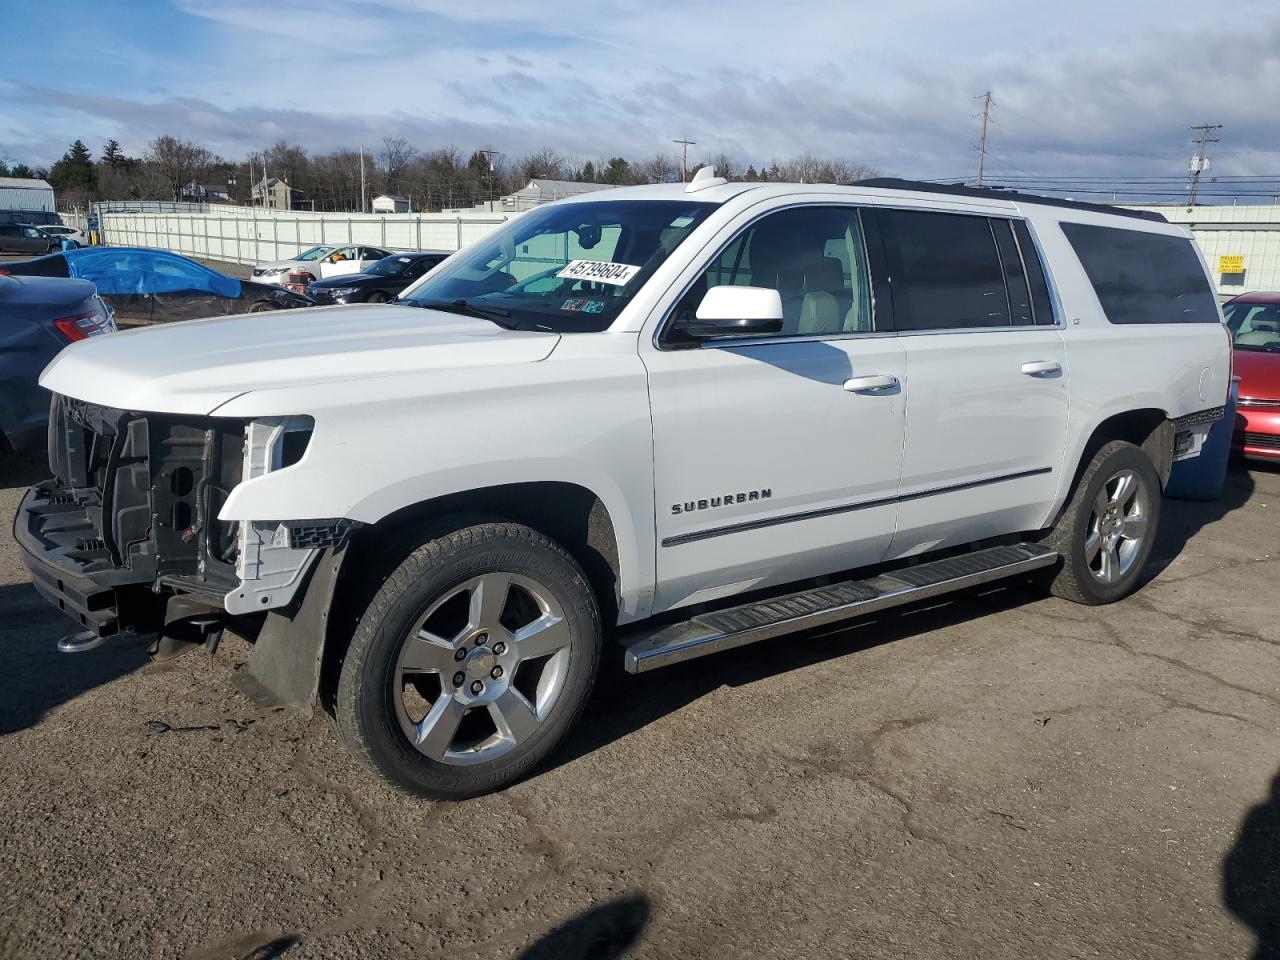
<point x="342" y="291"/>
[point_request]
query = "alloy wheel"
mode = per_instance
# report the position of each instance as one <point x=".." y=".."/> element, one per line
<point x="482" y="669"/>
<point x="1119" y="521"/>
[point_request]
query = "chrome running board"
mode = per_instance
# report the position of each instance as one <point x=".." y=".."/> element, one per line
<point x="737" y="626"/>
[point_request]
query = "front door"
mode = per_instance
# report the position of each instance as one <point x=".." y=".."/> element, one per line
<point x="777" y="459"/>
<point x="343" y="261"/>
<point x="987" y="378"/>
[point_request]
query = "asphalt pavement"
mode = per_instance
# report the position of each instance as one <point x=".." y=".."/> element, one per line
<point x="1000" y="776"/>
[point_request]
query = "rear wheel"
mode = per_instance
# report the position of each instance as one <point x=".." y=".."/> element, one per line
<point x="471" y="662"/>
<point x="1108" y="528"/>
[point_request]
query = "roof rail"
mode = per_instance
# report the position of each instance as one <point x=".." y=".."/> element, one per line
<point x="959" y="190"/>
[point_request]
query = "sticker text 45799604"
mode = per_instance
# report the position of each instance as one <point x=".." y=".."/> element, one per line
<point x="601" y="271"/>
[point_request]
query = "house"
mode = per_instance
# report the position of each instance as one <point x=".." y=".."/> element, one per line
<point x="386" y="203"/>
<point x="275" y="194"/>
<point x="206" y="193"/>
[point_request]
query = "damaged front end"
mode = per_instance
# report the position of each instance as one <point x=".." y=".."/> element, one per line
<point x="126" y="536"/>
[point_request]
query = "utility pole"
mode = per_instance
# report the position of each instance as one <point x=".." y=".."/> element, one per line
<point x="1200" y="163"/>
<point x="252" y="183"/>
<point x="363" y="205"/>
<point x="685" y="144"/>
<point x="982" y="141"/>
<point x="489" y="154"/>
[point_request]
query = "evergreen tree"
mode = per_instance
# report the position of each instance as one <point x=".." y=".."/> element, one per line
<point x="113" y="156"/>
<point x="588" y="172"/>
<point x="74" y="172"/>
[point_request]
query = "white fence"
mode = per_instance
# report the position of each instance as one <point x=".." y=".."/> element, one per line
<point x="253" y="235"/>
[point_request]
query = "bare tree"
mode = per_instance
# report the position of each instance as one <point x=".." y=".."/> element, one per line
<point x="661" y="168"/>
<point x="177" y="161"/>
<point x="394" y="161"/>
<point x="545" y="164"/>
<point x="288" y="162"/>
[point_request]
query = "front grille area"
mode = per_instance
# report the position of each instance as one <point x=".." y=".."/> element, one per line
<point x="1269" y="440"/>
<point x="147" y="489"/>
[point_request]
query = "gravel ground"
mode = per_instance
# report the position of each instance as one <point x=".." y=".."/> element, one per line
<point x="1001" y="776"/>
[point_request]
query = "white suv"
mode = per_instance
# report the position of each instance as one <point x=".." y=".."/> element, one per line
<point x="678" y="419"/>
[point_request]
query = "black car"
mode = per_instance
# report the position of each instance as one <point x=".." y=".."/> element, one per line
<point x="152" y="286"/>
<point x="378" y="283"/>
<point x="26" y="238"/>
<point x="38" y="317"/>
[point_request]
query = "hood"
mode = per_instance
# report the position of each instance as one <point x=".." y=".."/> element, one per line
<point x="277" y="265"/>
<point x="195" y="367"/>
<point x="1259" y="373"/>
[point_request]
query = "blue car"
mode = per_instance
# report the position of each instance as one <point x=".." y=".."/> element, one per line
<point x="156" y="285"/>
<point x="38" y="317"/>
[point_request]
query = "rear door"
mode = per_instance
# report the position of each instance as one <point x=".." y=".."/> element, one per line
<point x="987" y="377"/>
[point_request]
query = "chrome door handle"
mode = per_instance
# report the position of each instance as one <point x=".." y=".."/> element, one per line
<point x="1041" y="368"/>
<point x="872" y="383"/>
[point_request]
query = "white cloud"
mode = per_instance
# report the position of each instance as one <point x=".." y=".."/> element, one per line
<point x="1097" y="87"/>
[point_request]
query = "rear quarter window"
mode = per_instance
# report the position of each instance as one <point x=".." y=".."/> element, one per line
<point x="1143" y="277"/>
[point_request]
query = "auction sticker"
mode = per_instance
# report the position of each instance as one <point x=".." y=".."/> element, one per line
<point x="601" y="271"/>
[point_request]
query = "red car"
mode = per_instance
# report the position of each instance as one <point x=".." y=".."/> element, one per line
<point x="1254" y="321"/>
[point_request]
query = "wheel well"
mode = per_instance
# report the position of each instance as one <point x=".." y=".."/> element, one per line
<point x="571" y="515"/>
<point x="1148" y="428"/>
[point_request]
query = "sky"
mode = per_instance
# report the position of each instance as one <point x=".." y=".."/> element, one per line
<point x="1088" y="88"/>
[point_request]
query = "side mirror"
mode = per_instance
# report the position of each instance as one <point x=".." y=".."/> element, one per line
<point x="729" y="311"/>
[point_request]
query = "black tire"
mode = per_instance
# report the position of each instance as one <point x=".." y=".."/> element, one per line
<point x="369" y="707"/>
<point x="378" y="297"/>
<point x="1079" y="577"/>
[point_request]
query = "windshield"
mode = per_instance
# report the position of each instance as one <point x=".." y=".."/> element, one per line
<point x="391" y="266"/>
<point x="564" y="267"/>
<point x="315" y="253"/>
<point x="1254" y="326"/>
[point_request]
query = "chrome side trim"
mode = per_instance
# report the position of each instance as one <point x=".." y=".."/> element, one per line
<point x="738" y="626"/>
<point x="844" y="508"/>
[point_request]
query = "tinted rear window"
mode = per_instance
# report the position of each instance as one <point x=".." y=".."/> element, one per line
<point x="1143" y="277"/>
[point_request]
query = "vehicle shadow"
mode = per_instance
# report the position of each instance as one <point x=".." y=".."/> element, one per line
<point x="1180" y="520"/>
<point x="1251" y="874"/>
<point x="37" y="677"/>
<point x="601" y="933"/>
<point x="623" y="704"/>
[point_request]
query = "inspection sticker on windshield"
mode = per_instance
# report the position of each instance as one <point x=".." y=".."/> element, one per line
<point x="601" y="271"/>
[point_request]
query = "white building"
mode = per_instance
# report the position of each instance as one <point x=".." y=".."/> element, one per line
<point x="387" y="203"/>
<point x="17" y="193"/>
<point x="537" y="192"/>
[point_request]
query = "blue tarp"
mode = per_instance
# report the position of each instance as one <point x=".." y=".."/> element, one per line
<point x="126" y="270"/>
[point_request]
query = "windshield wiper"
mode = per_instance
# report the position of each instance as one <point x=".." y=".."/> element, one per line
<point x="491" y="314"/>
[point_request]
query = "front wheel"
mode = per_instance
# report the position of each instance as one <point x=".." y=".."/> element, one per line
<point x="377" y="297"/>
<point x="471" y="662"/>
<point x="1108" y="528"/>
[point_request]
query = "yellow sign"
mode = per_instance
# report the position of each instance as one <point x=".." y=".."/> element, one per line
<point x="1231" y="263"/>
